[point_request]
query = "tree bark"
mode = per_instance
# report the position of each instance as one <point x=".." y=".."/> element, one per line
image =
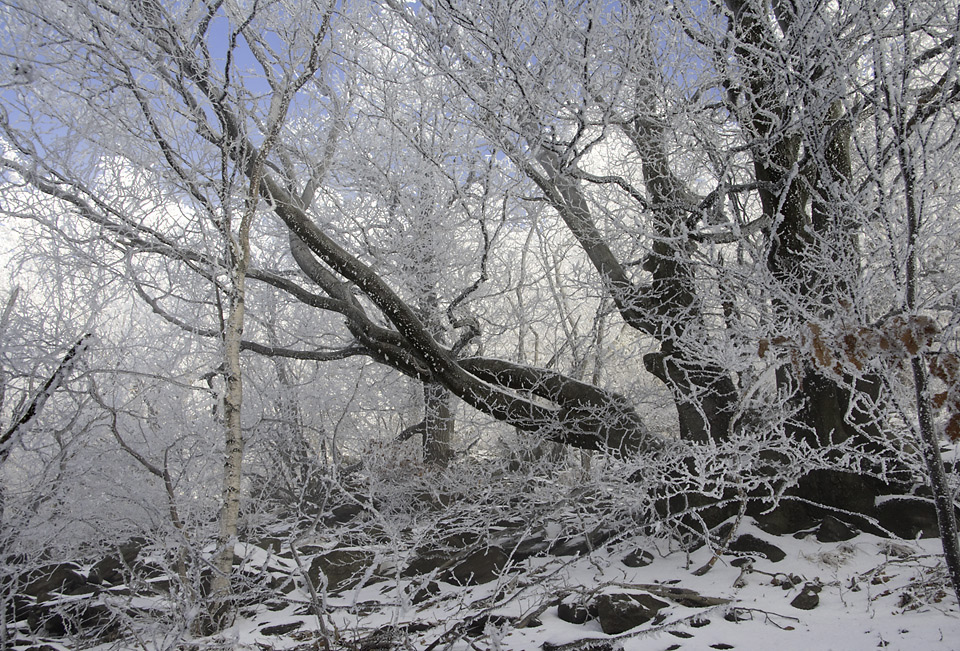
<point x="438" y="425"/>
<point x="220" y="595"/>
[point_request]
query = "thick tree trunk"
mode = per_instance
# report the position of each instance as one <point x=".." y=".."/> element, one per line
<point x="438" y="425"/>
<point x="805" y="208"/>
<point x="705" y="395"/>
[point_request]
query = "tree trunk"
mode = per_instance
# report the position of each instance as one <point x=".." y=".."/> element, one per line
<point x="220" y="595"/>
<point x="438" y="425"/>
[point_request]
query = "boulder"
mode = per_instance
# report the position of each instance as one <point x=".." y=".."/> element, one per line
<point x="749" y="544"/>
<point x="343" y="568"/>
<point x="481" y="566"/>
<point x="573" y="613"/>
<point x="110" y="569"/>
<point x="621" y="612"/>
<point x="280" y="629"/>
<point x="833" y="530"/>
<point x="637" y="558"/>
<point x="524" y="549"/>
<point x="441" y="555"/>
<point x="809" y="597"/>
<point x="909" y="517"/>
<point x="64" y="578"/>
<point x="582" y="544"/>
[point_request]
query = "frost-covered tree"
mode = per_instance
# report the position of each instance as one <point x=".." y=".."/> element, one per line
<point x="756" y="193"/>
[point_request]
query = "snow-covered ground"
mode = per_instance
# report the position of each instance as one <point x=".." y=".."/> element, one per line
<point x="872" y="593"/>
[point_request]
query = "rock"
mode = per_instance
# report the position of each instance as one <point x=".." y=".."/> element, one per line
<point x="441" y="555"/>
<point x="426" y="561"/>
<point x="477" y="626"/>
<point x="787" y="518"/>
<point x="524" y="549"/>
<point x="64" y="578"/>
<point x="343" y="514"/>
<point x="431" y="589"/>
<point x="583" y="544"/>
<point x="573" y="613"/>
<point x="621" y="612"/>
<point x="459" y="541"/>
<point x="343" y="568"/>
<point x="481" y="566"/>
<point x="110" y="569"/>
<point x="684" y="596"/>
<point x="281" y="629"/>
<point x="637" y="558"/>
<point x="908" y="517"/>
<point x="809" y="597"/>
<point x="738" y="615"/>
<point x="751" y="544"/>
<point x="834" y="530"/>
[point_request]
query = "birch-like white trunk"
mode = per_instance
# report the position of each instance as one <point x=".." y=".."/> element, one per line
<point x="220" y="597"/>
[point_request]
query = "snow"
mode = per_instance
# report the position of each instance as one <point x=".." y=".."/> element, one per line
<point x="876" y="594"/>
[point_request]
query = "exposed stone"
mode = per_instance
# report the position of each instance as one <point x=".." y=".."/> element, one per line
<point x="343" y="514"/>
<point x="908" y="517"/>
<point x="343" y="568"/>
<point x="738" y="615"/>
<point x="524" y="549"/>
<point x="573" y="613"/>
<point x="581" y="545"/>
<point x="621" y="612"/>
<point x="481" y="566"/>
<point x="62" y="577"/>
<point x="637" y="558"/>
<point x="460" y="540"/>
<point x="583" y="645"/>
<point x="683" y="596"/>
<point x="787" y="518"/>
<point x="833" y="530"/>
<point x="477" y="626"/>
<point x="426" y="561"/>
<point x="748" y="543"/>
<point x="431" y="589"/>
<point x="110" y="569"/>
<point x="809" y="597"/>
<point x="440" y="556"/>
<point x="281" y="629"/>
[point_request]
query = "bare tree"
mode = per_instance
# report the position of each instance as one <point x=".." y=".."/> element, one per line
<point x="714" y="172"/>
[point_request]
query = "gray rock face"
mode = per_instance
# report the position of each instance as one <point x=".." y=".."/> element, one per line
<point x="834" y="530"/>
<point x="748" y="543"/>
<point x="343" y="568"/>
<point x="482" y="566"/>
<point x="809" y="597"/>
<point x="621" y="612"/>
<point x="638" y="558"/>
<point x="573" y="613"/>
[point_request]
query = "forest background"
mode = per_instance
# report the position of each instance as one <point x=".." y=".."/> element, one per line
<point x="268" y="259"/>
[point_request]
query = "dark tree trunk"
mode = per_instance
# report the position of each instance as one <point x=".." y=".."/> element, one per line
<point x="438" y="425"/>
